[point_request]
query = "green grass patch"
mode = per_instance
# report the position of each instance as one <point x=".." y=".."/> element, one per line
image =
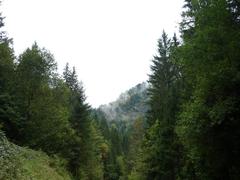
<point x="18" y="163"/>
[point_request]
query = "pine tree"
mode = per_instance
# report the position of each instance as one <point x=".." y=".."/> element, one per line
<point x="8" y="113"/>
<point x="161" y="146"/>
<point x="80" y="122"/>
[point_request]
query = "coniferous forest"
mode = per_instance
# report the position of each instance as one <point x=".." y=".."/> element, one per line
<point x="183" y="124"/>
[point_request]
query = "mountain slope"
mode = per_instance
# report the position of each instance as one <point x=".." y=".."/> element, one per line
<point x="23" y="164"/>
<point x="129" y="106"/>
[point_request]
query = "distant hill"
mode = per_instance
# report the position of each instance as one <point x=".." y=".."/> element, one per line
<point x="129" y="106"/>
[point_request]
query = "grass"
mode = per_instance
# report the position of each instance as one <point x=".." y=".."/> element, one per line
<point x="18" y="163"/>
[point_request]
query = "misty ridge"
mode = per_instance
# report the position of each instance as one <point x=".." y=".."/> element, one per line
<point x="129" y="106"/>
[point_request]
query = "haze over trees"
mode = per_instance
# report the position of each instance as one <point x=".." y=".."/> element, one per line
<point x="182" y="124"/>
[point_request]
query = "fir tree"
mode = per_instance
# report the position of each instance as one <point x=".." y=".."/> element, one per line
<point x="161" y="145"/>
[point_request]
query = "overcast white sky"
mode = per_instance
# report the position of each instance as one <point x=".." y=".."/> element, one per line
<point x="110" y="42"/>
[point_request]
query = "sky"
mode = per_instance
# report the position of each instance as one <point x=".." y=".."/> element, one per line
<point x="110" y="42"/>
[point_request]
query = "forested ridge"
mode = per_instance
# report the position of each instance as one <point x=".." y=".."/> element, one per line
<point x="183" y="124"/>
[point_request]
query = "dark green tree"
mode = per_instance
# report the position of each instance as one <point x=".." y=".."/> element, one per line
<point x="135" y="142"/>
<point x="208" y="125"/>
<point x="44" y="116"/>
<point x="8" y="113"/>
<point x="161" y="145"/>
<point x="80" y="122"/>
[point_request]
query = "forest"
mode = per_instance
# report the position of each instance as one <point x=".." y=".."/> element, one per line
<point x="183" y="124"/>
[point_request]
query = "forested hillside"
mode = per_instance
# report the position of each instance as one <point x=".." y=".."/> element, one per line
<point x="183" y="124"/>
<point x="130" y="105"/>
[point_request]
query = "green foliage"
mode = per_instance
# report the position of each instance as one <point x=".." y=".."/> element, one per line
<point x="40" y="110"/>
<point x="161" y="146"/>
<point x="21" y="163"/>
<point x="8" y="114"/>
<point x="8" y="159"/>
<point x="44" y="116"/>
<point x="135" y="142"/>
<point x="193" y="121"/>
<point x="208" y="121"/>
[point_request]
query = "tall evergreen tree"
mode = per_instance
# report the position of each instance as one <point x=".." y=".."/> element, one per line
<point x="80" y="121"/>
<point x="8" y="113"/>
<point x="161" y="145"/>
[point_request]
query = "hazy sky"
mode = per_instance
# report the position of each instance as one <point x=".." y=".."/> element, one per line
<point x="110" y="42"/>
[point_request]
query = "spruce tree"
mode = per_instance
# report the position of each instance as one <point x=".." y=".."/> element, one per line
<point x="8" y="113"/>
<point x="161" y="145"/>
<point x="80" y="122"/>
